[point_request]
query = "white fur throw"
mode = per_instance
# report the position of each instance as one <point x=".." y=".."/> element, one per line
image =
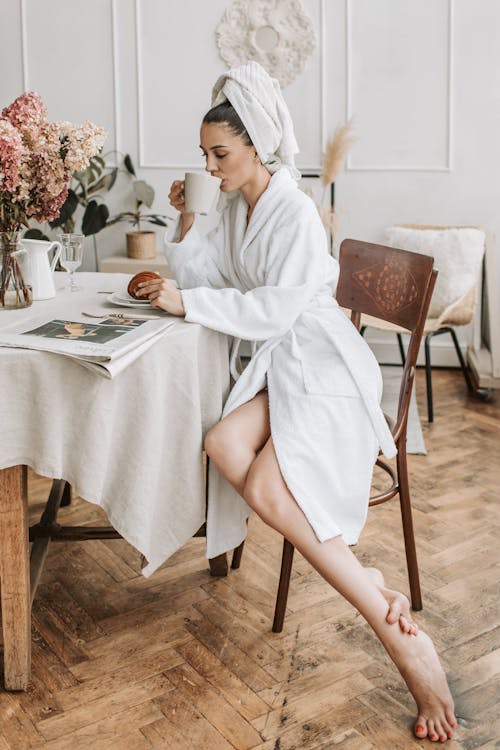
<point x="457" y="254"/>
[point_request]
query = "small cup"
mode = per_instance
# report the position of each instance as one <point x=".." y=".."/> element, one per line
<point x="200" y="191"/>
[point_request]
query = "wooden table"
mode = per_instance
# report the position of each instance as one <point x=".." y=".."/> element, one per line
<point x="15" y="578"/>
<point x="193" y="363"/>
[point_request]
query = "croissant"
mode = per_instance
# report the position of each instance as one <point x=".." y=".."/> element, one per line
<point x="139" y="278"/>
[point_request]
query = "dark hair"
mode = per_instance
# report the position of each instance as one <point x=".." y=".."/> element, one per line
<point x="225" y="114"/>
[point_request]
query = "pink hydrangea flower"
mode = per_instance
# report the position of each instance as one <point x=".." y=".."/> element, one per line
<point x="27" y="112"/>
<point x="37" y="159"/>
<point x="47" y="209"/>
<point x="11" y="151"/>
<point x="82" y="143"/>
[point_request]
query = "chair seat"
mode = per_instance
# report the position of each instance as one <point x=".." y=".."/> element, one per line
<point x="460" y="313"/>
<point x="431" y="325"/>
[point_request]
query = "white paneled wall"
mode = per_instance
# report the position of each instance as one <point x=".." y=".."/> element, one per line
<point x="422" y="80"/>
<point x="11" y="51"/>
<point x="177" y="64"/>
<point x="69" y="60"/>
<point x="398" y="81"/>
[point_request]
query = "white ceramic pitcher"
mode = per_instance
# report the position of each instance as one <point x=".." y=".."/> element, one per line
<point x="38" y="272"/>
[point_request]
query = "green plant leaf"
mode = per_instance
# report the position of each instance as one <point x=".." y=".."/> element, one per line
<point x="112" y="178"/>
<point x="95" y="168"/>
<point x="128" y="164"/>
<point x="35" y="234"/>
<point x="156" y="220"/>
<point x="95" y="218"/>
<point x="144" y="193"/>
<point x="124" y="216"/>
<point x="102" y="183"/>
<point x="68" y="208"/>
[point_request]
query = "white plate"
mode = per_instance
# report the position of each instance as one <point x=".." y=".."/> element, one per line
<point x="117" y="299"/>
<point x="124" y="296"/>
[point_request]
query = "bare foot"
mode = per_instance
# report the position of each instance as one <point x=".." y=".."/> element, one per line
<point x="399" y="606"/>
<point x="420" y="668"/>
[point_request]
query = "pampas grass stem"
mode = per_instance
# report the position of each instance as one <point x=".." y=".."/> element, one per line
<point x="337" y="148"/>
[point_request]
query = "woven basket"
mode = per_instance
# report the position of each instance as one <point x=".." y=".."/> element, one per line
<point x="141" y="245"/>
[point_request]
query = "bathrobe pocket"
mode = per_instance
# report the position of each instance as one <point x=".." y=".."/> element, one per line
<point x="324" y="372"/>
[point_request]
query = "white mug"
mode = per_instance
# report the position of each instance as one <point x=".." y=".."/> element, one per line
<point x="200" y="191"/>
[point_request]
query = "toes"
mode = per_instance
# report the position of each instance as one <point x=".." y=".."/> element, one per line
<point x="435" y="731"/>
<point x="431" y="731"/>
<point x="447" y="727"/>
<point x="421" y="727"/>
<point x="451" y="718"/>
<point x="441" y="733"/>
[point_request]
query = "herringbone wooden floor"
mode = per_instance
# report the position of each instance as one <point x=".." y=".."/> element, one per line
<point x="183" y="661"/>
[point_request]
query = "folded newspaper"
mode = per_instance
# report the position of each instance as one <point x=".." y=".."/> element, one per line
<point x="106" y="346"/>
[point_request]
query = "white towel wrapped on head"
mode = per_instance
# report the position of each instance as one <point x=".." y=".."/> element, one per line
<point x="257" y="99"/>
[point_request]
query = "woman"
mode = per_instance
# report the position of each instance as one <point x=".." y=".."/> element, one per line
<point x="288" y="443"/>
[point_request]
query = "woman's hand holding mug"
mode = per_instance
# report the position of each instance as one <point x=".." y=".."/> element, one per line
<point x="176" y="196"/>
<point x="178" y="201"/>
<point x="195" y="195"/>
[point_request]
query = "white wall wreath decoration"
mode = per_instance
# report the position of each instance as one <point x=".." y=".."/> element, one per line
<point x="275" y="33"/>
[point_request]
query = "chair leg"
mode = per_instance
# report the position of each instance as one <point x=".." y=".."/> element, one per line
<point x="428" y="378"/>
<point x="237" y="553"/>
<point x="465" y="371"/>
<point x="284" y="584"/>
<point x="401" y="349"/>
<point x="408" y="533"/>
<point x="67" y="496"/>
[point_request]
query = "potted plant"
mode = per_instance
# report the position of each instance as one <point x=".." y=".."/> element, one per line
<point x="141" y="243"/>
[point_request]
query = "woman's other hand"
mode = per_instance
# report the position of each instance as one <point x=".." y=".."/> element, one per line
<point x="163" y="294"/>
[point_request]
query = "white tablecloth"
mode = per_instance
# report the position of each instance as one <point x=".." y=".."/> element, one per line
<point x="131" y="445"/>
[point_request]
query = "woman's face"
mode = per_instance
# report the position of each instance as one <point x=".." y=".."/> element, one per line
<point x="228" y="157"/>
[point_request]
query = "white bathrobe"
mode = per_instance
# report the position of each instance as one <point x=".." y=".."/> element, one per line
<point x="272" y="282"/>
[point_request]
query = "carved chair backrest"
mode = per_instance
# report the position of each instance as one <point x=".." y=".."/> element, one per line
<point x="383" y="281"/>
<point x="393" y="285"/>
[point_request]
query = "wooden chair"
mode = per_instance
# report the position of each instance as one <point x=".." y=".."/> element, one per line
<point x="392" y="285"/>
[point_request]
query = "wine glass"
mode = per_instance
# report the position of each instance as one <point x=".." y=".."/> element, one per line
<point x="71" y="256"/>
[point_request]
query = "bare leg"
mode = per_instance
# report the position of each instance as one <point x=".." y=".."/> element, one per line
<point x="234" y="442"/>
<point x="266" y="492"/>
<point x="233" y="445"/>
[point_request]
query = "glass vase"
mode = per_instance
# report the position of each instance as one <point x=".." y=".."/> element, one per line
<point x="14" y="293"/>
